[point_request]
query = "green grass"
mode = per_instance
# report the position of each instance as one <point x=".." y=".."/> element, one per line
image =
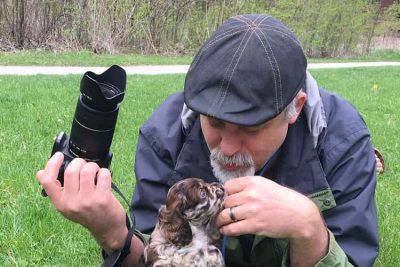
<point x="34" y="109"/>
<point x="379" y="55"/>
<point x="86" y="58"/>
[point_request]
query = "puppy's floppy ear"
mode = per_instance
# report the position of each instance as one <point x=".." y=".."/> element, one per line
<point x="176" y="228"/>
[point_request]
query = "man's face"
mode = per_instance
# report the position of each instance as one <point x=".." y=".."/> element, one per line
<point x="240" y="151"/>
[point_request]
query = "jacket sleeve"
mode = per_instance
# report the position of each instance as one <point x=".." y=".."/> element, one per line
<point x="352" y="223"/>
<point x="334" y="257"/>
<point x="350" y="171"/>
<point x="151" y="184"/>
<point x="159" y="143"/>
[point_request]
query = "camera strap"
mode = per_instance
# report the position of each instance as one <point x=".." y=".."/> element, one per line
<point x="116" y="258"/>
<point x="131" y="215"/>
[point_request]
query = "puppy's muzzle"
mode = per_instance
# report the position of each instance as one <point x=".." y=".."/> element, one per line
<point x="219" y="190"/>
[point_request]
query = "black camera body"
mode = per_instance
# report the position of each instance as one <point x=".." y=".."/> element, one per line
<point x="94" y="120"/>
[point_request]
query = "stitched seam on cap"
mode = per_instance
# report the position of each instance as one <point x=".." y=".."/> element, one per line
<point x="280" y="30"/>
<point x="277" y="66"/>
<point x="216" y="100"/>
<point x="226" y="91"/>
<point x="224" y="35"/>
<point x="273" y="73"/>
<point x="259" y="23"/>
<point x="231" y="75"/>
<point x="243" y="19"/>
<point x="247" y="19"/>
<point x="214" y="41"/>
<point x="287" y="36"/>
<point x="278" y="27"/>
<point x="220" y="90"/>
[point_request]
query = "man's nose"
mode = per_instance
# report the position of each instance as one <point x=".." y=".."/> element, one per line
<point x="230" y="144"/>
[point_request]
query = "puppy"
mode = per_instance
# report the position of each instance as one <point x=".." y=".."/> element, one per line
<point x="185" y="234"/>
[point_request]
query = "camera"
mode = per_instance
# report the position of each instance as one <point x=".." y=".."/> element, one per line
<point x="94" y="120"/>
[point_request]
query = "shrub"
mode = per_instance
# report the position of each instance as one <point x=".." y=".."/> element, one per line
<point x="325" y="28"/>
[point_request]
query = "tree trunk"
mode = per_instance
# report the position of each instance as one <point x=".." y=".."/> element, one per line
<point x="372" y="32"/>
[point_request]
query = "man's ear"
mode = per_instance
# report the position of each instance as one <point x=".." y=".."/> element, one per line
<point x="301" y="100"/>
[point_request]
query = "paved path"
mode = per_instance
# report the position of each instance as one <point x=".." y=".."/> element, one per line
<point x="166" y="69"/>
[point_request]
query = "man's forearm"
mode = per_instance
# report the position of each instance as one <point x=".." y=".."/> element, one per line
<point x="311" y="248"/>
<point x="117" y="242"/>
<point x="111" y="240"/>
<point x="137" y="249"/>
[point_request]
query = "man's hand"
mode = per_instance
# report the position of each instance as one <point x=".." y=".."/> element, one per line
<point x="264" y="207"/>
<point x="84" y="202"/>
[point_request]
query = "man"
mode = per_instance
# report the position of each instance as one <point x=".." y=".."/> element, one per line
<point x="295" y="160"/>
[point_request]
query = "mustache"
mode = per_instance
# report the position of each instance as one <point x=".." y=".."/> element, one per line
<point x="238" y="159"/>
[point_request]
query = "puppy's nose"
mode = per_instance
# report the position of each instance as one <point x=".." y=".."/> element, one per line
<point x="220" y="191"/>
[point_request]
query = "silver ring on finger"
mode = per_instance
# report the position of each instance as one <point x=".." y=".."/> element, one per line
<point x="232" y="214"/>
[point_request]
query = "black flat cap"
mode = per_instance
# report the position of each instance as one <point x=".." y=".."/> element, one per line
<point x="247" y="72"/>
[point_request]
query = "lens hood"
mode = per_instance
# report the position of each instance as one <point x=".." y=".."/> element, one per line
<point x="104" y="91"/>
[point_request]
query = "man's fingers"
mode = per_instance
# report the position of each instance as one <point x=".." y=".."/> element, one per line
<point x="104" y="179"/>
<point x="236" y="185"/>
<point x="224" y="218"/>
<point x="48" y="177"/>
<point x="39" y="175"/>
<point x="237" y="228"/>
<point x="53" y="166"/>
<point x="71" y="176"/>
<point x="234" y="200"/>
<point x="87" y="177"/>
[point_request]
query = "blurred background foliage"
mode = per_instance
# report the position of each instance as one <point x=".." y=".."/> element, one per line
<point x="326" y="28"/>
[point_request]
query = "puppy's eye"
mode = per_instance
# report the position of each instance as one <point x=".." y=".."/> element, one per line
<point x="203" y="193"/>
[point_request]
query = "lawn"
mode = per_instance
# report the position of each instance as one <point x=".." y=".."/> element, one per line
<point x="87" y="58"/>
<point x="34" y="109"/>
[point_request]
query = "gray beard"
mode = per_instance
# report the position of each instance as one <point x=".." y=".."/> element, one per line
<point x="223" y="175"/>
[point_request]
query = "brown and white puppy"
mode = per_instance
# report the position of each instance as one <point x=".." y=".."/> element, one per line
<point x="185" y="234"/>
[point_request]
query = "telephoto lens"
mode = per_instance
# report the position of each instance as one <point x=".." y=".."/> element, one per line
<point x="94" y="120"/>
